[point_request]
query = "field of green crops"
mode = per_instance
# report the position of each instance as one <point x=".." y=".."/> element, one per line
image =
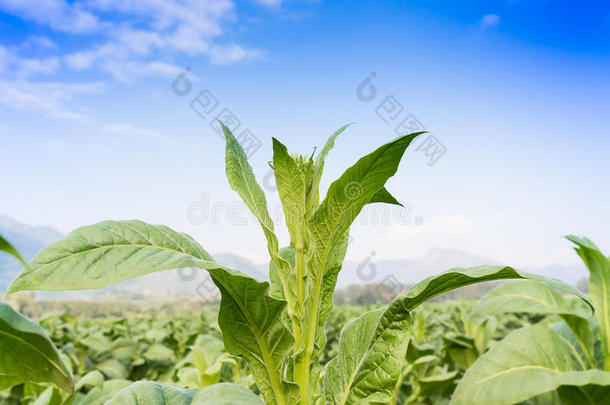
<point x="107" y="354"/>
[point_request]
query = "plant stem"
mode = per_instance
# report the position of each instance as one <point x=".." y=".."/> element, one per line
<point x="300" y="270"/>
<point x="302" y="370"/>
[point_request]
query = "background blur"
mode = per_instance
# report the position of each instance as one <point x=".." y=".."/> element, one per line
<point x="106" y="109"/>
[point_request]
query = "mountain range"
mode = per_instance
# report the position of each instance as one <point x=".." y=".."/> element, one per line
<point x="186" y="283"/>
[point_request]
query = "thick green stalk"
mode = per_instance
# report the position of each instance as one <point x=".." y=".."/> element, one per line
<point x="302" y="371"/>
<point x="290" y="307"/>
<point x="300" y="274"/>
<point x="274" y="377"/>
<point x="303" y="360"/>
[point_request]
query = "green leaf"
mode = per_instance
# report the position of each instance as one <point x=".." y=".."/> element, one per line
<point x="101" y="394"/>
<point x="372" y="349"/>
<point x="460" y="277"/>
<point x="330" y="223"/>
<point x="242" y="180"/>
<point x="586" y="333"/>
<point x="579" y="332"/>
<point x="347" y="195"/>
<point x="107" y="253"/>
<point x="535" y="359"/>
<point x="532" y="297"/>
<point x="592" y="394"/>
<point x="313" y="191"/>
<point x="6" y="247"/>
<point x="329" y="282"/>
<point x="50" y="396"/>
<point x="329" y="232"/>
<point x="384" y="196"/>
<point x="251" y="324"/>
<point x="27" y="354"/>
<point x="226" y="394"/>
<point x="599" y="288"/>
<point x="378" y="364"/>
<point x="290" y="182"/>
<point x="288" y="254"/>
<point x="91" y="379"/>
<point x="208" y="354"/>
<point x="113" y="369"/>
<point x="159" y="353"/>
<point x="100" y="255"/>
<point x="152" y="393"/>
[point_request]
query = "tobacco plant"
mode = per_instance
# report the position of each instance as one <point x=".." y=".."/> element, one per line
<point x="561" y="361"/>
<point x="276" y="326"/>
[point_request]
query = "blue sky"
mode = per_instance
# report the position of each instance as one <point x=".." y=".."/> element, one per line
<point x="517" y="92"/>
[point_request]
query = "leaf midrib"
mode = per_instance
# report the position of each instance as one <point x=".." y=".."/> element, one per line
<point x="18" y="339"/>
<point x="267" y="357"/>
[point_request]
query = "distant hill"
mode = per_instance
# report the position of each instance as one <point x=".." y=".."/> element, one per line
<point x="31" y="239"/>
<point x="407" y="271"/>
<point x="436" y="261"/>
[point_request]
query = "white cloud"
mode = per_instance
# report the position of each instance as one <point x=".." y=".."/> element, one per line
<point x="270" y="3"/>
<point x="165" y="28"/>
<point x="57" y="14"/>
<point x="22" y="68"/>
<point x="80" y="60"/>
<point x="39" y="41"/>
<point x="125" y="71"/>
<point x="222" y="55"/>
<point x="490" y="20"/>
<point x="130" y="130"/>
<point x="49" y="98"/>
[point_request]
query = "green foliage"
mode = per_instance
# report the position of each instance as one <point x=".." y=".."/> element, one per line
<point x="569" y="359"/>
<point x="27" y="354"/>
<point x="277" y="328"/>
<point x="6" y="247"/>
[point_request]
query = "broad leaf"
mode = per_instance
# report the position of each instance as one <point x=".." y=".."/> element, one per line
<point x="331" y="221"/>
<point x="226" y="394"/>
<point x="91" y="379"/>
<point x="152" y="393"/>
<point x="345" y="382"/>
<point x="50" y="396"/>
<point x="599" y="288"/>
<point x="535" y="359"/>
<point x="460" y="277"/>
<point x="313" y="190"/>
<point x="102" y="394"/>
<point x="100" y="255"/>
<point x="242" y="180"/>
<point x="107" y="253"/>
<point x="372" y="349"/>
<point x="329" y="282"/>
<point x="6" y="247"/>
<point x="590" y="394"/>
<point x="384" y="196"/>
<point x="529" y="296"/>
<point x="329" y="227"/>
<point x="208" y="358"/>
<point x="251" y="324"/>
<point x="585" y="333"/>
<point x="27" y="354"/>
<point x="290" y="181"/>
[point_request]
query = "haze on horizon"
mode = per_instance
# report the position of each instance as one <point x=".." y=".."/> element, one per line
<point x="94" y="125"/>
